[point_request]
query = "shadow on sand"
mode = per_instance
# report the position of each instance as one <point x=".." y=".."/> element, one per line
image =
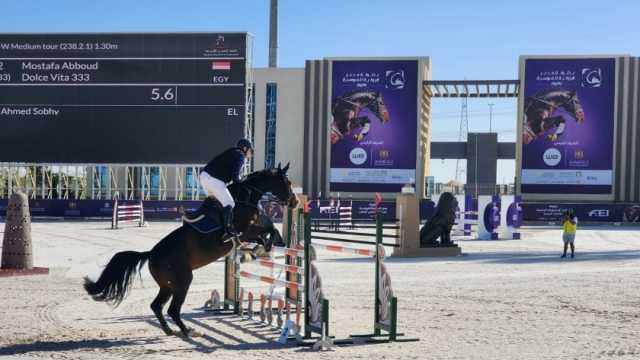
<point x="73" y="345"/>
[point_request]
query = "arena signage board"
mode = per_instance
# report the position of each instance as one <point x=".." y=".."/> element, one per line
<point x="586" y="212"/>
<point x="121" y="98"/>
<point x="373" y="125"/>
<point x="360" y="209"/>
<point x="567" y="126"/>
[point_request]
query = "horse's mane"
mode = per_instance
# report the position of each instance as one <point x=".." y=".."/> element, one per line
<point x="252" y="179"/>
<point x="260" y="175"/>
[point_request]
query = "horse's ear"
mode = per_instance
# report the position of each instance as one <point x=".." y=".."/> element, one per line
<point x="278" y="166"/>
<point x="284" y="170"/>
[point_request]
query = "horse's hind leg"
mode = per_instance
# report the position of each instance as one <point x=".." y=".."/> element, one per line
<point x="179" y="295"/>
<point x="163" y="296"/>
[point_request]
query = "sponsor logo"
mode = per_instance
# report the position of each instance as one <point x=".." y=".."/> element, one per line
<point x="394" y="79"/>
<point x="578" y="154"/>
<point x="591" y="78"/>
<point x="552" y="157"/>
<point x="358" y="156"/>
<point x="599" y="213"/>
<point x="383" y="154"/>
<point x="220" y="42"/>
<point x="219" y="47"/>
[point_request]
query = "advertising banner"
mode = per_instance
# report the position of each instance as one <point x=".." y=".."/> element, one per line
<point x="153" y="209"/>
<point x="553" y="212"/>
<point x="373" y="125"/>
<point x="323" y="209"/>
<point x="568" y="120"/>
<point x="361" y="209"/>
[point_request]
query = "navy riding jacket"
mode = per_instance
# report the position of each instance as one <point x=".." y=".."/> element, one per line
<point x="226" y="166"/>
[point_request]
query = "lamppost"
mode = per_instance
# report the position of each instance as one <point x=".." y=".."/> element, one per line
<point x="490" y="116"/>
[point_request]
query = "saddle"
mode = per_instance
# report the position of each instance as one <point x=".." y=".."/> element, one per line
<point x="207" y="218"/>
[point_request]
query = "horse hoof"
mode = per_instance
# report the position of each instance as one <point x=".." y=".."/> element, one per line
<point x="169" y="332"/>
<point x="246" y="257"/>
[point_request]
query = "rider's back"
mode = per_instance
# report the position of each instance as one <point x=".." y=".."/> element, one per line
<point x="222" y="166"/>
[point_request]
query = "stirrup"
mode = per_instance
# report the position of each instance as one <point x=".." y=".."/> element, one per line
<point x="230" y="235"/>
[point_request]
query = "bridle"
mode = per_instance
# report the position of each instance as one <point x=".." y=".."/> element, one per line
<point x="253" y="189"/>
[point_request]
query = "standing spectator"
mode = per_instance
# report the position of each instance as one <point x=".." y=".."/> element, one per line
<point x="569" y="226"/>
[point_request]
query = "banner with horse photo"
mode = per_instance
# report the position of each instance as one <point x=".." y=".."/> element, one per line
<point x="373" y="125"/>
<point x="567" y="129"/>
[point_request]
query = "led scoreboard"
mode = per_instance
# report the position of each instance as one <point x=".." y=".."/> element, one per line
<point x="121" y="98"/>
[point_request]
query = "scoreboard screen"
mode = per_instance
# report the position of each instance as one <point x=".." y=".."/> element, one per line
<point x="121" y="98"/>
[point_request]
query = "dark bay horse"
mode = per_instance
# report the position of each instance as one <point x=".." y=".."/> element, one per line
<point x="346" y="114"/>
<point x="172" y="260"/>
<point x="541" y="114"/>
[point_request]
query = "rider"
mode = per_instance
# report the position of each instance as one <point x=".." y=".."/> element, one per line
<point x="222" y="170"/>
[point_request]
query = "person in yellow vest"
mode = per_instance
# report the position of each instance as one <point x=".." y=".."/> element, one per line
<point x="569" y="226"/>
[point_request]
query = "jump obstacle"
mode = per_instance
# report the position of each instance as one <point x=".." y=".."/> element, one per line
<point x="127" y="214"/>
<point x="291" y="302"/>
<point x="314" y="304"/>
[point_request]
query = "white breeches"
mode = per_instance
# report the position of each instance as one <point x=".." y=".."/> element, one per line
<point x="216" y="188"/>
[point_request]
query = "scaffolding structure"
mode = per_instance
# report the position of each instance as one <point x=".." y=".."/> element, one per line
<point x="101" y="181"/>
<point x="462" y="135"/>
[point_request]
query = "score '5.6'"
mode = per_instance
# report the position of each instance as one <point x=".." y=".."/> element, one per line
<point x="164" y="94"/>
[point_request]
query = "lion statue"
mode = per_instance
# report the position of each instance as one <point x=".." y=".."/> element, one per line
<point x="439" y="226"/>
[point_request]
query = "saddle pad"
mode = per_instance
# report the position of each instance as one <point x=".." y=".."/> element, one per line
<point x="206" y="225"/>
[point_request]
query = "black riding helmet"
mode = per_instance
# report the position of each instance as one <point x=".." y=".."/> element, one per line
<point x="244" y="143"/>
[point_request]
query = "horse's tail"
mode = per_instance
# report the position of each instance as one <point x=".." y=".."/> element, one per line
<point x="115" y="280"/>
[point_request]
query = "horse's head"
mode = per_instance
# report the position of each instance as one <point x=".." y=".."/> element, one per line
<point x="283" y="187"/>
<point x="573" y="106"/>
<point x="378" y="107"/>
<point x="276" y="182"/>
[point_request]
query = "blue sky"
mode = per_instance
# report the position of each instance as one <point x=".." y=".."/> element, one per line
<point x="465" y="39"/>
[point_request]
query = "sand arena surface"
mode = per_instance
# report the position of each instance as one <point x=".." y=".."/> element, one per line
<point x="502" y="300"/>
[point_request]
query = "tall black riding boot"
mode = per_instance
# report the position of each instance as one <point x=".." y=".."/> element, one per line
<point x="227" y="216"/>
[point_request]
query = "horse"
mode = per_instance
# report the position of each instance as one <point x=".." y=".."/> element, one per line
<point x="346" y="114"/>
<point x="173" y="259"/>
<point x="541" y="114"/>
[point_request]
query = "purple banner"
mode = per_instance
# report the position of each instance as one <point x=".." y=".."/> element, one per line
<point x="567" y="139"/>
<point x="373" y="125"/>
<point x="153" y="209"/>
<point x="360" y="209"/>
<point x="172" y="210"/>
